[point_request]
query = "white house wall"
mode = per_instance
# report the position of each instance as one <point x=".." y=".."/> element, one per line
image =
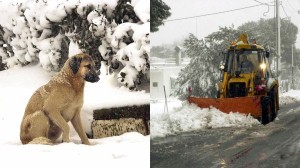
<point x="163" y="77"/>
<point x="156" y="75"/>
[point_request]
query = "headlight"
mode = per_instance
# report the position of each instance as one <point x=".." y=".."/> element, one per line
<point x="222" y="67"/>
<point x="263" y="66"/>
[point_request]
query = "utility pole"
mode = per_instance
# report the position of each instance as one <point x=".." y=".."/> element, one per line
<point x="278" y="67"/>
<point x="196" y="28"/>
<point x="292" y="66"/>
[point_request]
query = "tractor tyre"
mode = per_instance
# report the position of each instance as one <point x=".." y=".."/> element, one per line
<point x="218" y="94"/>
<point x="273" y="103"/>
<point x="266" y="110"/>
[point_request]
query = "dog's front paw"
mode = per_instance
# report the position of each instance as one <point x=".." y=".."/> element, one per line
<point x="66" y="140"/>
<point x="87" y="142"/>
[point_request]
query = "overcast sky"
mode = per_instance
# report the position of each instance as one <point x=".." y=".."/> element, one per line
<point x="202" y="26"/>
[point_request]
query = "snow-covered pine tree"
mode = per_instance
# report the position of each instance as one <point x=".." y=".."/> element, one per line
<point x="202" y="73"/>
<point x="159" y="12"/>
<point x="5" y="50"/>
<point x="115" y="33"/>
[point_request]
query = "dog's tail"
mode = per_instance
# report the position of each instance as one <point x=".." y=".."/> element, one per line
<point x="41" y="140"/>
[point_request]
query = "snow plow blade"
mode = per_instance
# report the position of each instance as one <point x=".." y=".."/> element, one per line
<point x="245" y="105"/>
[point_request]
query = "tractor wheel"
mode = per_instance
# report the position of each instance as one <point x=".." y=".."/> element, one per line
<point x="273" y="103"/>
<point x="218" y="94"/>
<point x="266" y="110"/>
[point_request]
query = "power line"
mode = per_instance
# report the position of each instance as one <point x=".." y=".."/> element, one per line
<point x="258" y="1"/>
<point x="291" y="9"/>
<point x="284" y="11"/>
<point x="264" y="3"/>
<point x="291" y="6"/>
<point x="209" y="14"/>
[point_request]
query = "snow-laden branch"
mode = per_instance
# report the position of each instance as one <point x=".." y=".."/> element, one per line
<point x="114" y="32"/>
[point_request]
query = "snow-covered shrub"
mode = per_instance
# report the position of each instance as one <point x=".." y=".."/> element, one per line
<point x="115" y="32"/>
<point x="126" y="75"/>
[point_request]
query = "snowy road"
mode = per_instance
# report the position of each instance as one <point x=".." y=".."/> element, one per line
<point x="274" y="145"/>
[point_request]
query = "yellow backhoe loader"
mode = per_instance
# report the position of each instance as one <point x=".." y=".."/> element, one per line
<point x="247" y="86"/>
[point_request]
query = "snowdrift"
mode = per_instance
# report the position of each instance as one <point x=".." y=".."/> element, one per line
<point x="184" y="117"/>
<point x="290" y="97"/>
<point x="189" y="117"/>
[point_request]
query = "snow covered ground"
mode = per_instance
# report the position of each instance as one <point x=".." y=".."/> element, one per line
<point x="16" y="87"/>
<point x="183" y="116"/>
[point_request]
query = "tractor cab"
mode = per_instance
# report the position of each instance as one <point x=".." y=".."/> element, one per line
<point x="245" y="61"/>
<point x="246" y="70"/>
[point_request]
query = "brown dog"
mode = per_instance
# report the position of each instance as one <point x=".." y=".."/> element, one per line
<point x="58" y="102"/>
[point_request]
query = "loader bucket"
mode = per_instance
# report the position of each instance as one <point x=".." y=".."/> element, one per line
<point x="245" y="105"/>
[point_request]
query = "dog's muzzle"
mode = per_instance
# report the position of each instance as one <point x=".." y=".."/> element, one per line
<point x="92" y="78"/>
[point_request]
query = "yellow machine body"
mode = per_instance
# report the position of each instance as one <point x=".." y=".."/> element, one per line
<point x="252" y="92"/>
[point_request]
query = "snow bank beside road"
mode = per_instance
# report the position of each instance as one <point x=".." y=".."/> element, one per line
<point x="289" y="97"/>
<point x="292" y="93"/>
<point x="183" y="116"/>
<point x="190" y="117"/>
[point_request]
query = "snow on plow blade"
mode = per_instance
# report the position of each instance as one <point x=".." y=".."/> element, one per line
<point x="245" y="105"/>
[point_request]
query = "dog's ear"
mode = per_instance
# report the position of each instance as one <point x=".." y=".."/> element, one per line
<point x="75" y="64"/>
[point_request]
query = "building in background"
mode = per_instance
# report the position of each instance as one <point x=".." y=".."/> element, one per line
<point x="164" y="72"/>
